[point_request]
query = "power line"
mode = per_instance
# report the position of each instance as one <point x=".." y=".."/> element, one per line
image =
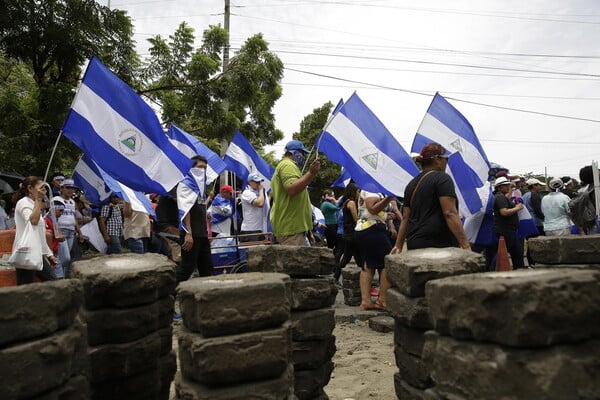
<point x="438" y="72"/>
<point x="501" y="14"/>
<point x="451" y="98"/>
<point x="438" y="63"/>
<point x="431" y="92"/>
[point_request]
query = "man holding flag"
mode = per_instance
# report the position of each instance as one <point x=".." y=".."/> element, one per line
<point x="291" y="213"/>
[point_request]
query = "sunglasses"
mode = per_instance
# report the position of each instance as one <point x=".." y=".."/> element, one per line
<point x="445" y="156"/>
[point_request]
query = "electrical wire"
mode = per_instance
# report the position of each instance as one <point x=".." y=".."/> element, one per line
<point x="450" y="98"/>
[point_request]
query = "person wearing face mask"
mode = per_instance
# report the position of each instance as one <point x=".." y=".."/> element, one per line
<point x="195" y="247"/>
<point x="291" y="211"/>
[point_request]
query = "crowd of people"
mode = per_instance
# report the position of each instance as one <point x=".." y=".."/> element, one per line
<point x="359" y="224"/>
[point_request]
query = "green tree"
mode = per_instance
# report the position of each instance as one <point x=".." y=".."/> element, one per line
<point x="209" y="104"/>
<point x="47" y="42"/>
<point x="310" y="128"/>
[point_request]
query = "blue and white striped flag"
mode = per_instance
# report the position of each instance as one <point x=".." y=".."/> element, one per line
<point x="242" y="159"/>
<point x="98" y="186"/>
<point x="191" y="146"/>
<point x="468" y="165"/>
<point x="121" y="133"/>
<point x="358" y="141"/>
<point x="343" y="180"/>
<point x="88" y="177"/>
<point x="189" y="189"/>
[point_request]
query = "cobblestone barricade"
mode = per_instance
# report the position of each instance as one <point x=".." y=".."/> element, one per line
<point x="43" y="342"/>
<point x="351" y="285"/>
<point x="408" y="274"/>
<point x="565" y="250"/>
<point x="313" y="293"/>
<point x="526" y="334"/>
<point x="235" y="341"/>
<point x="128" y="307"/>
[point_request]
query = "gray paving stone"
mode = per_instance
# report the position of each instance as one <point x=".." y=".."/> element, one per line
<point x="122" y="325"/>
<point x="411" y="340"/>
<point x="471" y="370"/>
<point x="280" y="388"/>
<point x="572" y="249"/>
<point x="37" y="310"/>
<point x="313" y="324"/>
<point x="409" y="271"/>
<point x="309" y="384"/>
<point x="408" y="311"/>
<point x="518" y="308"/>
<point x="76" y="388"/>
<point x="313" y="293"/>
<point x="312" y="354"/>
<point x="383" y="324"/>
<point x="404" y="391"/>
<point x="34" y="367"/>
<point x="296" y="261"/>
<point x="231" y="359"/>
<point x="117" y="361"/>
<point x="413" y="369"/>
<point x="235" y="303"/>
<point x="125" y="280"/>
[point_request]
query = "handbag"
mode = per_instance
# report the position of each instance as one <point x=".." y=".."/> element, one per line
<point x="27" y="253"/>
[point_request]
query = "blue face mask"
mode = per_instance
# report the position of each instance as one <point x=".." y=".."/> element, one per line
<point x="298" y="157"/>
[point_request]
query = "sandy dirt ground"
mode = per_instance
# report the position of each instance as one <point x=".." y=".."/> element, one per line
<point x="364" y="364"/>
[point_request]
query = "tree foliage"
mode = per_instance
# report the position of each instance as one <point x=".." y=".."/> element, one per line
<point x="209" y="104"/>
<point x="310" y="128"/>
<point x="44" y="44"/>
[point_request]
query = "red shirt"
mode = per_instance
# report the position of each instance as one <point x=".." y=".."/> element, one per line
<point x="50" y="227"/>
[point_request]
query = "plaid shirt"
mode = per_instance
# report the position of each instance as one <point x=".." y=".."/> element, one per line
<point x="114" y="221"/>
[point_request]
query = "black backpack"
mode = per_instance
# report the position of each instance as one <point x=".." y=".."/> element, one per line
<point x="582" y="210"/>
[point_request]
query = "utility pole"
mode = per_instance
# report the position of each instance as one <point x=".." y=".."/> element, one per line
<point x="224" y="179"/>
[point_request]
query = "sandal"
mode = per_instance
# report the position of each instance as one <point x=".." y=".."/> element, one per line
<point x="367" y="307"/>
<point x="379" y="305"/>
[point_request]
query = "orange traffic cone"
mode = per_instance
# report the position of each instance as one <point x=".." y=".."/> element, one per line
<point x="502" y="263"/>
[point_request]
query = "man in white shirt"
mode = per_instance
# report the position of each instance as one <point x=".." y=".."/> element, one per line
<point x="255" y="207"/>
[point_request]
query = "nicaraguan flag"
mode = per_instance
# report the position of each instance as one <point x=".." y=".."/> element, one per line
<point x="358" y="141"/>
<point x="88" y="177"/>
<point x="189" y="189"/>
<point x="343" y="180"/>
<point x="191" y="146"/>
<point x="468" y="164"/>
<point x="98" y="187"/>
<point x="242" y="159"/>
<point x="121" y="133"/>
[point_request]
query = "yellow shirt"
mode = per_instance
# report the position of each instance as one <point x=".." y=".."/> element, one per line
<point x="290" y="214"/>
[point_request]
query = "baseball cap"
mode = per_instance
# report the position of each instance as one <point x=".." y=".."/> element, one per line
<point x="501" y="181"/>
<point x="226" y="188"/>
<point x="68" y="183"/>
<point x="296" y="145"/>
<point x="255" y="178"/>
<point x="533" y="181"/>
<point x="555" y="183"/>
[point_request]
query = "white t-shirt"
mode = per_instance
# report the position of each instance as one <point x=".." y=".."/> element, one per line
<point x="23" y="211"/>
<point x="365" y="218"/>
<point x="67" y="219"/>
<point x="253" y="216"/>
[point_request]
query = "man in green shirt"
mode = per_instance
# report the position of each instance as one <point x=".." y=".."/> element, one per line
<point x="291" y="212"/>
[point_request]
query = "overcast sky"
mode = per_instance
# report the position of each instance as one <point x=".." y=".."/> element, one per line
<point x="537" y="55"/>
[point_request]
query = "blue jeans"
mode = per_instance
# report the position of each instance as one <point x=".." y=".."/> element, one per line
<point x="114" y="246"/>
<point x="63" y="268"/>
<point x="137" y="246"/>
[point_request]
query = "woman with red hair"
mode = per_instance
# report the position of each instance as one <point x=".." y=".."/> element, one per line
<point x="430" y="212"/>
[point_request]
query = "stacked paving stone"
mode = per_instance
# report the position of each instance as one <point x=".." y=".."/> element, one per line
<point x="351" y="285"/>
<point x="408" y="273"/>
<point x="527" y="334"/>
<point x="43" y="342"/>
<point x="235" y="341"/>
<point x="572" y="251"/>
<point x="313" y="319"/>
<point x="128" y="308"/>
